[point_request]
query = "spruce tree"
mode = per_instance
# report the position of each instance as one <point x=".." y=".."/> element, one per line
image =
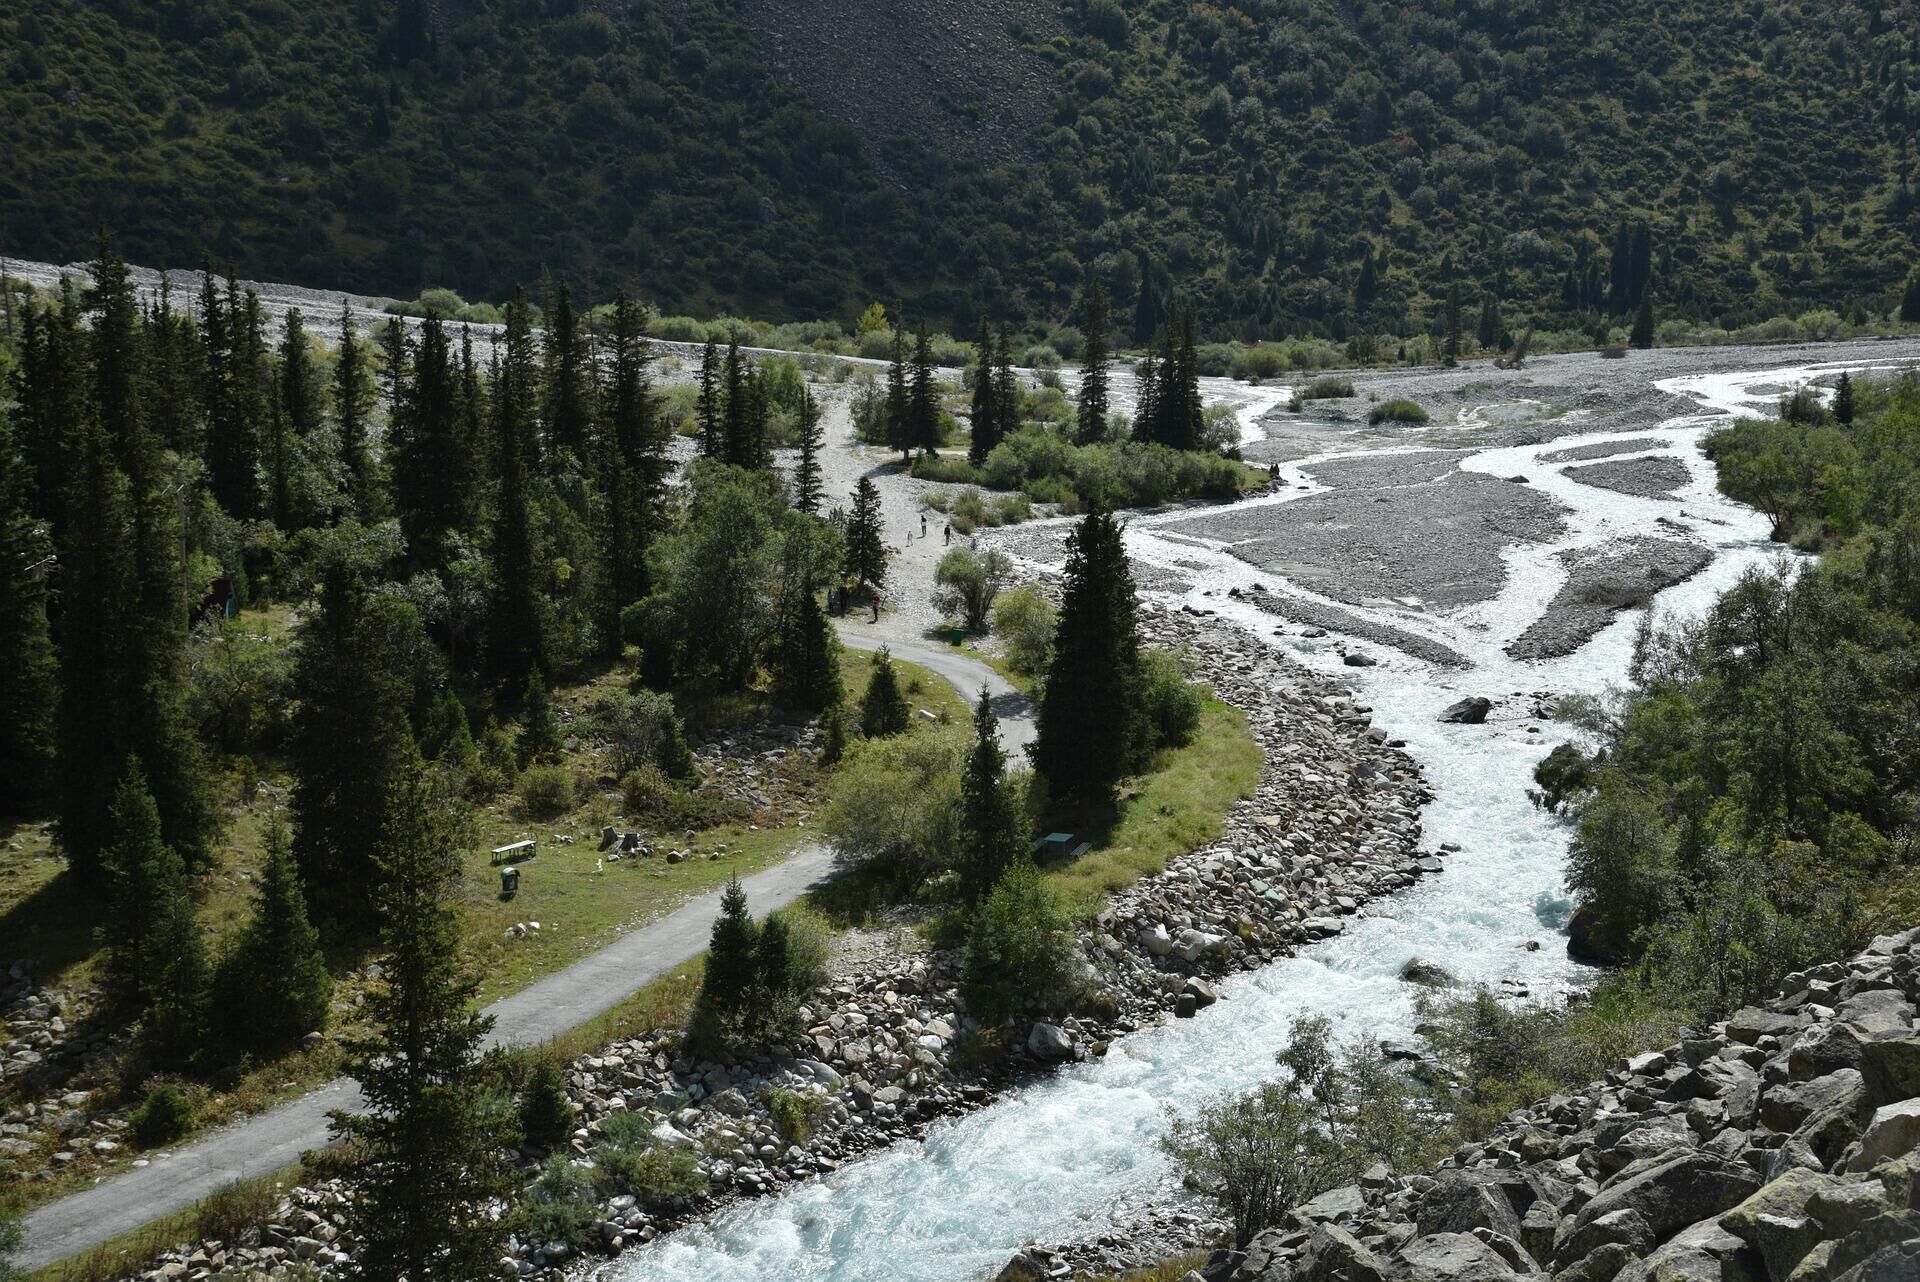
<point x="866" y="555"/>
<point x="353" y="406"/>
<point x="429" y="1155"/>
<point x="806" y="468"/>
<point x="156" y="959"/>
<point x="990" y="830"/>
<point x="1642" y="335"/>
<point x="547" y="1116"/>
<point x="1451" y="354"/>
<point x="1843" y="407"/>
<point x="633" y="469"/>
<point x="539" y="731"/>
<point x="1090" y="729"/>
<point x="29" y="675"/>
<point x="425" y="445"/>
<point x="52" y="402"/>
<point x="172" y="393"/>
<point x="883" y="709"/>
<point x="1006" y="387"/>
<point x="1910" y="300"/>
<point x="985" y="420"/>
<point x="351" y="733"/>
<point x="737" y="421"/>
<point x="723" y="1011"/>
<point x="272" y="986"/>
<point x="1487" y="334"/>
<point x="564" y="406"/>
<point x="299" y="398"/>
<point x="706" y="408"/>
<point x="899" y="405"/>
<point x="923" y="399"/>
<point x="516" y="642"/>
<point x="806" y="671"/>
<point x="1092" y="418"/>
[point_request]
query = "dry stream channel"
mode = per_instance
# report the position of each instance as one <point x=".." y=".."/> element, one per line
<point x="1432" y="553"/>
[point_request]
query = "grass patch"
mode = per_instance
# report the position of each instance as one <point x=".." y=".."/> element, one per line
<point x="1398" y="410"/>
<point x="1180" y="806"/>
<point x="228" y="1209"/>
<point x="1330" y="387"/>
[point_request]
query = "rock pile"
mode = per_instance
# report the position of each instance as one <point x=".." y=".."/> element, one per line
<point x="1781" y="1145"/>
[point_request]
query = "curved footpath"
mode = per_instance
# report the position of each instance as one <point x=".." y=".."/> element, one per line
<point x="1018" y="720"/>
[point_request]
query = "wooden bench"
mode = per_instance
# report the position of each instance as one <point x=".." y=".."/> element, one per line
<point x="514" y="852"/>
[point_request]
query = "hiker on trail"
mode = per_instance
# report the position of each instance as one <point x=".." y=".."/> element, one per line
<point x="946" y="538"/>
<point x="876" y="607"/>
<point x="923" y="525"/>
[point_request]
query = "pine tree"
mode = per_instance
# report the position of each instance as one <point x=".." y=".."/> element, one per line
<point x="984" y="416"/>
<point x="547" y="1116"/>
<point x="1090" y="726"/>
<point x="155" y="957"/>
<point x="1488" y="332"/>
<point x="883" y="709"/>
<point x="429" y="1154"/>
<point x="1146" y="401"/>
<point x="564" y="407"/>
<point x="1452" y="351"/>
<point x="516" y="642"/>
<point x="1642" y="335"/>
<point x="29" y="675"/>
<point x="539" y="731"/>
<point x="425" y="445"/>
<point x="737" y="421"/>
<point x="353" y="405"/>
<point x="633" y="471"/>
<point x="866" y="556"/>
<point x="299" y="399"/>
<point x="52" y="402"/>
<point x="173" y="385"/>
<point x="1092" y="422"/>
<point x="723" y="1011"/>
<point x="899" y="407"/>
<point x="351" y="733"/>
<point x="272" y="986"/>
<point x="706" y="409"/>
<point x="923" y="399"/>
<point x="806" y="670"/>
<point x="1910" y="300"/>
<point x="1006" y="387"/>
<point x="990" y="830"/>
<point x="806" y="468"/>
<point x="1843" y="408"/>
<point x="236" y="410"/>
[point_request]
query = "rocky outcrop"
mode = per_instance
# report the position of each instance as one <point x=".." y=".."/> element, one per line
<point x="1780" y="1145"/>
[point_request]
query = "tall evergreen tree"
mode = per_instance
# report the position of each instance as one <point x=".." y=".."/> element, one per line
<point x="1910" y="299"/>
<point x="1006" y="387"/>
<point x="899" y="405"/>
<point x="1642" y="335"/>
<point x="806" y="467"/>
<point x="564" y="406"/>
<point x="299" y="398"/>
<point x="426" y="444"/>
<point x="155" y="955"/>
<point x="51" y="391"/>
<point x="353" y="406"/>
<point x="272" y="986"/>
<point x="990" y="829"/>
<point x="1091" y="727"/>
<point x="1843" y="406"/>
<point x="1092" y="417"/>
<point x="866" y="558"/>
<point x="984" y="425"/>
<point x="883" y="709"/>
<point x="1487" y="334"/>
<point x="806" y="669"/>
<point x="736" y="421"/>
<point x="29" y="675"/>
<point x="173" y="365"/>
<point x="707" y="408"/>
<point x="353" y="670"/>
<point x="923" y="399"/>
<point x="430" y="1153"/>
<point x="1451" y="353"/>
<point x="516" y="643"/>
<point x="723" y="1010"/>
<point x="633" y="471"/>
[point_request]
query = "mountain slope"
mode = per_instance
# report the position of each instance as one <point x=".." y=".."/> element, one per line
<point x="1286" y="165"/>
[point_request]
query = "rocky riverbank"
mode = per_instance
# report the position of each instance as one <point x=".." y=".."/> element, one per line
<point x="1779" y="1145"/>
<point x="884" y="1051"/>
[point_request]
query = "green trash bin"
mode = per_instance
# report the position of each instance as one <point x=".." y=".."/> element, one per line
<point x="956" y="635"/>
<point x="509" y="880"/>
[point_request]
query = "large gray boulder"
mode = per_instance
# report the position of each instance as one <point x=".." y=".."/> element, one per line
<point x="1703" y="1253"/>
<point x="1893" y="1132"/>
<point x="1454" y="1257"/>
<point x="1468" y="712"/>
<point x="1335" y="1254"/>
<point x="1674" y="1191"/>
<point x="1461" y="1201"/>
<point x="1049" y="1042"/>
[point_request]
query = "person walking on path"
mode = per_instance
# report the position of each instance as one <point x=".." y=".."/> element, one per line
<point x="876" y="607"/>
<point x="923" y="525"/>
<point x="946" y="537"/>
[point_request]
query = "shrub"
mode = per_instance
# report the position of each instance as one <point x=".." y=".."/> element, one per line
<point x="163" y="1116"/>
<point x="1396" y="411"/>
<point x="632" y="1162"/>
<point x="1025" y="621"/>
<point x="897" y="801"/>
<point x="558" y="1206"/>
<point x="640" y="727"/>
<point x="546" y="1114"/>
<point x="1172" y="703"/>
<point x="1564" y="774"/>
<point x="1328" y="388"/>
<point x="809" y="946"/>
<point x="646" y="790"/>
<point x="968" y="582"/>
<point x="796" y="1114"/>
<point x="545" y="791"/>
<point x="234" y="1208"/>
<point x="1020" y="951"/>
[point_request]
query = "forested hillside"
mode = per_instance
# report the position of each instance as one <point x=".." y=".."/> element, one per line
<point x="1289" y="166"/>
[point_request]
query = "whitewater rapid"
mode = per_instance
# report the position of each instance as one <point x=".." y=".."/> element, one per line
<point x="1050" y="1161"/>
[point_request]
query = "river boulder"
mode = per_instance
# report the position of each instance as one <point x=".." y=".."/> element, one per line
<point x="1468" y="712"/>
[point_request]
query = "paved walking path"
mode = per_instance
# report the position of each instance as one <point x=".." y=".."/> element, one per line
<point x="276" y="1138"/>
<point x="1018" y="716"/>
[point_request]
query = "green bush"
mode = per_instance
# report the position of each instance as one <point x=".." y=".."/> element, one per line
<point x="1173" y="704"/>
<point x="165" y="1115"/>
<point x="796" y="1114"/>
<point x="1328" y="388"/>
<point x="896" y="802"/>
<point x="632" y="1162"/>
<point x="546" y="1114"/>
<point x="1025" y="620"/>
<point x="810" y="939"/>
<point x="545" y="791"/>
<point x="1020" y="952"/>
<point x="1396" y="411"/>
<point x="557" y="1206"/>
